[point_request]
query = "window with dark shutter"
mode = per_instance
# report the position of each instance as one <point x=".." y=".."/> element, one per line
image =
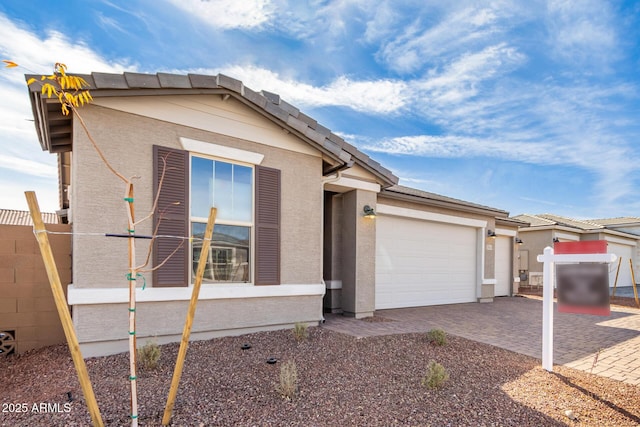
<point x="171" y="217"/>
<point x="267" y="223"/>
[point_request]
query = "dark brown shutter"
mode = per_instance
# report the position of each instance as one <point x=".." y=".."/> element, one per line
<point x="171" y="216"/>
<point x="267" y="226"/>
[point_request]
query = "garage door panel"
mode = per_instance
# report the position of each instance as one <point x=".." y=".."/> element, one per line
<point x="424" y="263"/>
<point x="624" y="252"/>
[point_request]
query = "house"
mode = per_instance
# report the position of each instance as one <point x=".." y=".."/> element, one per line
<point x="622" y="236"/>
<point x="295" y="227"/>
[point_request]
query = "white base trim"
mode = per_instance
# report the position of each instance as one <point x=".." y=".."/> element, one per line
<point x="429" y="216"/>
<point x="84" y="296"/>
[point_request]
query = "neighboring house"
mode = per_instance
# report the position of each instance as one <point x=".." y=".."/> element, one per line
<point x="291" y="226"/>
<point x="622" y="236"/>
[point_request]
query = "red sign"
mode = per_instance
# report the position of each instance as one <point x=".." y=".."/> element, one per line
<point x="584" y="247"/>
<point x="583" y="288"/>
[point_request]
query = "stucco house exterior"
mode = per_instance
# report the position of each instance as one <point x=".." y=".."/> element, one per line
<point x="294" y="231"/>
<point x="622" y="236"/>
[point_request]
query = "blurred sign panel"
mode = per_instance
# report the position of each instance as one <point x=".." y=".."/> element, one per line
<point x="583" y="288"/>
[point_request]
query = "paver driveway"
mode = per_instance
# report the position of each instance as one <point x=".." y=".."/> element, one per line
<point x="515" y="323"/>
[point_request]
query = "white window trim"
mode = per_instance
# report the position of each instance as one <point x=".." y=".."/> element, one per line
<point x="221" y="151"/>
<point x="251" y="224"/>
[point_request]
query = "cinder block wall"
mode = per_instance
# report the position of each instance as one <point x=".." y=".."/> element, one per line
<point x="27" y="309"/>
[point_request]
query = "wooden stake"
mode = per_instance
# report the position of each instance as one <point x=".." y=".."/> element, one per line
<point x="132" y="305"/>
<point x="615" y="283"/>
<point x="633" y="282"/>
<point x="186" y="332"/>
<point x="63" y="309"/>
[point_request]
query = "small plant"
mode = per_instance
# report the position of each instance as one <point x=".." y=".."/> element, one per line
<point x="300" y="332"/>
<point x="437" y="336"/>
<point x="436" y="375"/>
<point x="149" y="355"/>
<point x="595" y="360"/>
<point x="288" y="380"/>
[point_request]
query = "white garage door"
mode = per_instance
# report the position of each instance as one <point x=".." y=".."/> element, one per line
<point x="503" y="266"/>
<point x="625" y="252"/>
<point x="424" y="263"/>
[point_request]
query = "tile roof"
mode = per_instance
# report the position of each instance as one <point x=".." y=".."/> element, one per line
<point x="13" y="217"/>
<point x="54" y="138"/>
<point x="571" y="222"/>
<point x="425" y="195"/>
<point x="623" y="220"/>
<point x="534" y="220"/>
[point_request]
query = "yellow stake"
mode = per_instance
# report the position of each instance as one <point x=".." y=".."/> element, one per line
<point x="63" y="310"/>
<point x="186" y="332"/>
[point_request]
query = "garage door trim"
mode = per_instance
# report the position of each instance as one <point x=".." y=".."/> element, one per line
<point x="429" y="216"/>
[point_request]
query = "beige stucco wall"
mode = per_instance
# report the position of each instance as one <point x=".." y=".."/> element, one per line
<point x="165" y="320"/>
<point x="358" y="254"/>
<point x="126" y="140"/>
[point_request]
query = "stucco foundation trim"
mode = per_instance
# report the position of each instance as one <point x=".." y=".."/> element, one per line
<point x="87" y="296"/>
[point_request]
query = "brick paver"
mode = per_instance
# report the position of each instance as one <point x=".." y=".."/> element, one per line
<point x="516" y="324"/>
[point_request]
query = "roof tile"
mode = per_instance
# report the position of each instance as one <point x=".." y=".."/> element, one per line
<point x="272" y="97"/>
<point x="137" y="80"/>
<point x="255" y="97"/>
<point x="230" y="83"/>
<point x="179" y="81"/>
<point x="109" y="81"/>
<point x="308" y="120"/>
<point x="13" y="217"/>
<point x="201" y="81"/>
<point x="277" y="111"/>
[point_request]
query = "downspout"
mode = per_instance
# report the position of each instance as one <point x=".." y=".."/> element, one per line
<point x="332" y="175"/>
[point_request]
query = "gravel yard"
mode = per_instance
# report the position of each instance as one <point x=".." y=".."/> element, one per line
<point x="341" y="381"/>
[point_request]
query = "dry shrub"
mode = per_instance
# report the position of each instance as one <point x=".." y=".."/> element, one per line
<point x="437" y="336"/>
<point x="300" y="332"/>
<point x="288" y="380"/>
<point x="436" y="375"/>
<point x="149" y="355"/>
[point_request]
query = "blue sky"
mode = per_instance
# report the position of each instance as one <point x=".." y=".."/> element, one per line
<point x="530" y="106"/>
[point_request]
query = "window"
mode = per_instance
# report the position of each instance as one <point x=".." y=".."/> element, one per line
<point x="229" y="188"/>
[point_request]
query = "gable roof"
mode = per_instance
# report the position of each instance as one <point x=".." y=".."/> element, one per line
<point x="571" y="222"/>
<point x="13" y="217"/>
<point x="402" y="192"/>
<point x="534" y="220"/>
<point x="55" y="131"/>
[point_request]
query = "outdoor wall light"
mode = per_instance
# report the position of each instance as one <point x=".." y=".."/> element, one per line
<point x="556" y="240"/>
<point x="519" y="241"/>
<point x="369" y="212"/>
<point x="491" y="233"/>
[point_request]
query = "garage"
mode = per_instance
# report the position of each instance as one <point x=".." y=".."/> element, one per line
<point x="503" y="266"/>
<point x="421" y="262"/>
<point x="624" y="252"/>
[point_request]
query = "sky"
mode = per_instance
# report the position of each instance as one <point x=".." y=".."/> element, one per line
<point x="527" y="106"/>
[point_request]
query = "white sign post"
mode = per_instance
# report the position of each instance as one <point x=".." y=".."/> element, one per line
<point x="548" y="283"/>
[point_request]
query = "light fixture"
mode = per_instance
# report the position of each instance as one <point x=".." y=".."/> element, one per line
<point x="519" y="241"/>
<point x="369" y="212"/>
<point x="491" y="233"/>
<point x="556" y="240"/>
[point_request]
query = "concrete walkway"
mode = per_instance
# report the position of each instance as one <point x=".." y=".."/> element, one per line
<point x="516" y="324"/>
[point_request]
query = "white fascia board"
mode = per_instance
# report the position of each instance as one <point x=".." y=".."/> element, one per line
<point x="84" y="296"/>
<point x="222" y="151"/>
<point x="347" y="184"/>
<point x="505" y="232"/>
<point x="429" y="216"/>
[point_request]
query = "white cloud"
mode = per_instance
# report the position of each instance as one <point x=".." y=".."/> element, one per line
<point x="582" y="32"/>
<point x="375" y="96"/>
<point x="228" y="14"/>
<point x="455" y="32"/>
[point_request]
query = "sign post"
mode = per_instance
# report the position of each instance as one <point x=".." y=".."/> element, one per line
<point x="565" y="253"/>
